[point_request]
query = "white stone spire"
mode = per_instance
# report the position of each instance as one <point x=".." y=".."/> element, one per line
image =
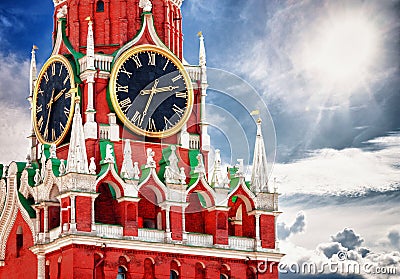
<point x="90" y="45"/>
<point x="145" y="5"/>
<point x="90" y="127"/>
<point x="77" y="157"/>
<point x="259" y="174"/>
<point x="202" y="50"/>
<point x="33" y="71"/>
<point x="205" y="137"/>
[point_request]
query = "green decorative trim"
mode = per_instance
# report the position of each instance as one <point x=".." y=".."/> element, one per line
<point x="145" y="173"/>
<point x="234" y="199"/>
<point x="1" y="170"/>
<point x="193" y="164"/>
<point x="202" y="200"/>
<point x="234" y="182"/>
<point x="27" y="204"/>
<point x="55" y="163"/>
<point x="31" y="175"/>
<point x="20" y="168"/>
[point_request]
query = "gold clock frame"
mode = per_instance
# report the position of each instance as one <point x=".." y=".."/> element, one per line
<point x="73" y="90"/>
<point x="113" y="95"/>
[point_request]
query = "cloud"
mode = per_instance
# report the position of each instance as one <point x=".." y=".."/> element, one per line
<point x="298" y="226"/>
<point x="368" y="261"/>
<point x="348" y="238"/>
<point x="394" y="238"/>
<point x="15" y="114"/>
<point x="343" y="172"/>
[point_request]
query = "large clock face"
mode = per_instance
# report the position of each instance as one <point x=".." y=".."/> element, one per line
<point x="53" y="100"/>
<point x="151" y="91"/>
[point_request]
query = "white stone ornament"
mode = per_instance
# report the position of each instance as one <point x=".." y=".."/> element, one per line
<point x="37" y="178"/>
<point x="182" y="176"/>
<point x="61" y="168"/>
<point x="200" y="169"/>
<point x="53" y="151"/>
<point x="92" y="166"/>
<point x="150" y="163"/>
<point x="240" y="168"/>
<point x="127" y="164"/>
<point x="109" y="154"/>
<point x="62" y="12"/>
<point x="145" y="5"/>
<point x="136" y="171"/>
<point x="173" y="169"/>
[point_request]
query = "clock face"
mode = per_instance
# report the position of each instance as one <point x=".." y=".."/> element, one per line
<point x="151" y="91"/>
<point x="53" y="100"/>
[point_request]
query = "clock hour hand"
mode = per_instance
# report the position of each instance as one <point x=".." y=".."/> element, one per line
<point x="48" y="115"/>
<point x="59" y="95"/>
<point x="158" y="90"/>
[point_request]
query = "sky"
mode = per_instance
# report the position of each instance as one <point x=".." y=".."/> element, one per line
<point x="325" y="77"/>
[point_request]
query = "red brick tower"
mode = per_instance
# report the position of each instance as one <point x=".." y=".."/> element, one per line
<point x="116" y="182"/>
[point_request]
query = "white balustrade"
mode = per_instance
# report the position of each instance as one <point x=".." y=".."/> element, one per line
<point x="109" y="231"/>
<point x="194" y="141"/>
<point x="151" y="235"/>
<point x="197" y="239"/>
<point x="241" y="243"/>
<point x="54" y="233"/>
<point x="101" y="62"/>
<point x="194" y="72"/>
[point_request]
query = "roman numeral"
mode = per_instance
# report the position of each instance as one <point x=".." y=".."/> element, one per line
<point x="178" y="110"/>
<point x="123" y="70"/>
<point x="152" y="125"/>
<point x="181" y="94"/>
<point x="60" y="73"/>
<point x="53" y="69"/>
<point x="166" y="64"/>
<point x="46" y="133"/>
<point x="40" y="123"/>
<point x="137" y="118"/>
<point x="122" y="88"/>
<point x="66" y="111"/>
<point x="66" y="79"/>
<point x="68" y="95"/>
<point x="152" y="58"/>
<point x="40" y="91"/>
<point x="167" y="123"/>
<point x="62" y="127"/>
<point x="46" y="77"/>
<point x="137" y="60"/>
<point x="125" y="104"/>
<point x="178" y="77"/>
<point x="39" y="108"/>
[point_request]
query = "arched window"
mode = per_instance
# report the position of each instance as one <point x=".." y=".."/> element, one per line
<point x="20" y="241"/>
<point x="200" y="271"/>
<point x="100" y="6"/>
<point x="149" y="268"/>
<point x="173" y="275"/>
<point x="225" y="272"/>
<point x="59" y="267"/>
<point x="223" y="276"/>
<point x="121" y="272"/>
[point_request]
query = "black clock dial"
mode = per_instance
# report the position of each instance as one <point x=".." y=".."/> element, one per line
<point x="151" y="92"/>
<point x="53" y="101"/>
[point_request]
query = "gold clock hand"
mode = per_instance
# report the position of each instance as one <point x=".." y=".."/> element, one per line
<point x="48" y="115"/>
<point x="59" y="94"/>
<point x="149" y="100"/>
<point x="158" y="90"/>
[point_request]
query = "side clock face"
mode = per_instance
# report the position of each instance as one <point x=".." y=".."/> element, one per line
<point x="151" y="91"/>
<point x="53" y="100"/>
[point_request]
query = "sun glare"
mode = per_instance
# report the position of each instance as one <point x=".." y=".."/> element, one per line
<point x="342" y="51"/>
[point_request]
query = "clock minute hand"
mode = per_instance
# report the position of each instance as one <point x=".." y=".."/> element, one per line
<point x="149" y="100"/>
<point x="46" y="132"/>
<point x="158" y="90"/>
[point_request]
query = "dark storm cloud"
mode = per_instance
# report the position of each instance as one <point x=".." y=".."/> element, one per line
<point x="330" y="249"/>
<point x="348" y="238"/>
<point x="284" y="231"/>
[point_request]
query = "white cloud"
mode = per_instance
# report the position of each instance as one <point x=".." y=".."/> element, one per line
<point x="344" y="171"/>
<point x="15" y="115"/>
